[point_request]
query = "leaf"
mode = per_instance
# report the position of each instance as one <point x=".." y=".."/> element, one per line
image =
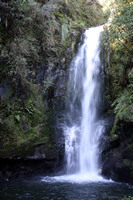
<point x="17" y="117"/>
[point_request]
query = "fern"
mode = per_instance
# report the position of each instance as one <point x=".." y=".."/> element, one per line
<point x="65" y="32"/>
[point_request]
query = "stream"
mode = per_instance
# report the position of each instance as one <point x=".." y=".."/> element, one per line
<point x="37" y="189"/>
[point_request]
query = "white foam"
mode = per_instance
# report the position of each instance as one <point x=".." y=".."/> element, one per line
<point x="76" y="178"/>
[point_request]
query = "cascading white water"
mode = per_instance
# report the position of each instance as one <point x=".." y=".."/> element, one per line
<point x="84" y="128"/>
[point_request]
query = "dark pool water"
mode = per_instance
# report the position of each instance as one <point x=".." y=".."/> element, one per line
<point x="36" y="189"/>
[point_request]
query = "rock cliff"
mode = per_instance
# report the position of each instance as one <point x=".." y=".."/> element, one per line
<point x="38" y="40"/>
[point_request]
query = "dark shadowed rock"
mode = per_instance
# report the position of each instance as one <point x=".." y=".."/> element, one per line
<point x="117" y="157"/>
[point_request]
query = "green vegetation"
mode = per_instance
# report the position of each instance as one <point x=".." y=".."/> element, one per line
<point x="36" y="39"/>
<point x="118" y="52"/>
<point x="127" y="198"/>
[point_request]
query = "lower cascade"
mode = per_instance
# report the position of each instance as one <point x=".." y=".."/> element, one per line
<point x="83" y="127"/>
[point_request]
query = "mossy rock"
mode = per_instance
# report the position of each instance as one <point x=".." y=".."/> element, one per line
<point x="38" y="39"/>
<point x="127" y="162"/>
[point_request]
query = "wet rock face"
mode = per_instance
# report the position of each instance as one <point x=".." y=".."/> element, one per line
<point x="42" y="162"/>
<point x="118" y="156"/>
<point x="14" y="169"/>
<point x="39" y="153"/>
<point x="40" y="73"/>
<point x="114" y="168"/>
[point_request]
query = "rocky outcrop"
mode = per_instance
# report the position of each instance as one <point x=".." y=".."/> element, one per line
<point x="19" y="168"/>
<point x="41" y="161"/>
<point x="117" y="156"/>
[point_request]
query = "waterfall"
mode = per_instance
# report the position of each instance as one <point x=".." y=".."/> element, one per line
<point x="83" y="127"/>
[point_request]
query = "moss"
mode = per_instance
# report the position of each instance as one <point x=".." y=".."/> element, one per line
<point x="127" y="162"/>
<point x="37" y="35"/>
<point x="130" y="146"/>
<point x="26" y="125"/>
<point x="16" y="139"/>
<point x="127" y="198"/>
